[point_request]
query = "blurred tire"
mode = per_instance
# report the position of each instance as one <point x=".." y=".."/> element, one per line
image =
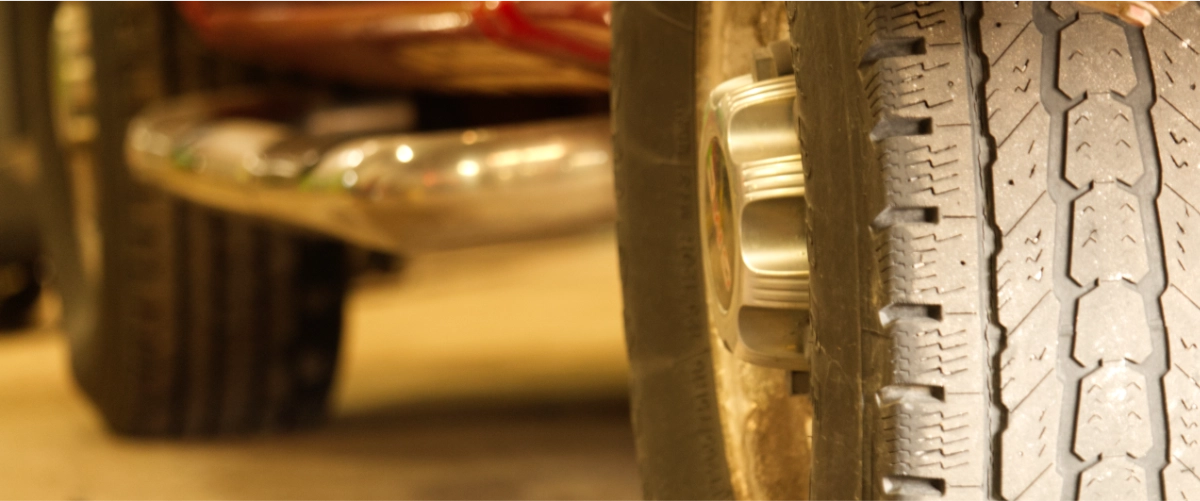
<point x="19" y="293"/>
<point x="182" y="320"/>
<point x="20" y="285"/>
<point x="19" y="249"/>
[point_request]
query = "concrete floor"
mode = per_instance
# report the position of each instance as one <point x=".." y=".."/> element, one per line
<point x="490" y="373"/>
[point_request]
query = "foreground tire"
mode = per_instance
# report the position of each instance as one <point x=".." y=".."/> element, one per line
<point x="675" y="416"/>
<point x="182" y="320"/>
<point x="1000" y="219"/>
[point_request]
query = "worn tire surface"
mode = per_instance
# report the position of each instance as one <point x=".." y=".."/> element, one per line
<point x="1015" y="313"/>
<point x="203" y="322"/>
<point x="675" y="416"/>
<point x="20" y="287"/>
<point x="1003" y="220"/>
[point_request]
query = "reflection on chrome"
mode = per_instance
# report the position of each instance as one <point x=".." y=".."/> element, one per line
<point x="404" y="154"/>
<point x="752" y="215"/>
<point x="405" y="192"/>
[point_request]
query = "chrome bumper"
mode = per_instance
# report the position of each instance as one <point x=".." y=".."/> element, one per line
<point x="397" y="192"/>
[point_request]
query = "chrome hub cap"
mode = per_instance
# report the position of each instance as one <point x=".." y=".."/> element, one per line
<point x="753" y="222"/>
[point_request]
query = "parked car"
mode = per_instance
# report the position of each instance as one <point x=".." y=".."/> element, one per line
<point x="916" y="250"/>
<point x="206" y="193"/>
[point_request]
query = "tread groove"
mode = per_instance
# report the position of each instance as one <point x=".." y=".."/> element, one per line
<point x="902" y="486"/>
<point x="898" y="126"/>
<point x="910" y="311"/>
<point x="912" y="393"/>
<point x="893" y="47"/>
<point x="893" y="216"/>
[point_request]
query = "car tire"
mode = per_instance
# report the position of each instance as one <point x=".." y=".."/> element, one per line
<point x="194" y="322"/>
<point x="1001" y="219"/>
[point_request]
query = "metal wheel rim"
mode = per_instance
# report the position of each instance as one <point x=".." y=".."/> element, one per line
<point x="763" y="399"/>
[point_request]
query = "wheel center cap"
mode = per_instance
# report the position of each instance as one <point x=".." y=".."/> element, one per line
<point x="753" y="226"/>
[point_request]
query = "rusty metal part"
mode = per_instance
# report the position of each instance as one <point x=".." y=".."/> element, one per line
<point x="1139" y="14"/>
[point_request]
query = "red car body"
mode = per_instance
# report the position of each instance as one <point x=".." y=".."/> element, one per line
<point x="495" y="47"/>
